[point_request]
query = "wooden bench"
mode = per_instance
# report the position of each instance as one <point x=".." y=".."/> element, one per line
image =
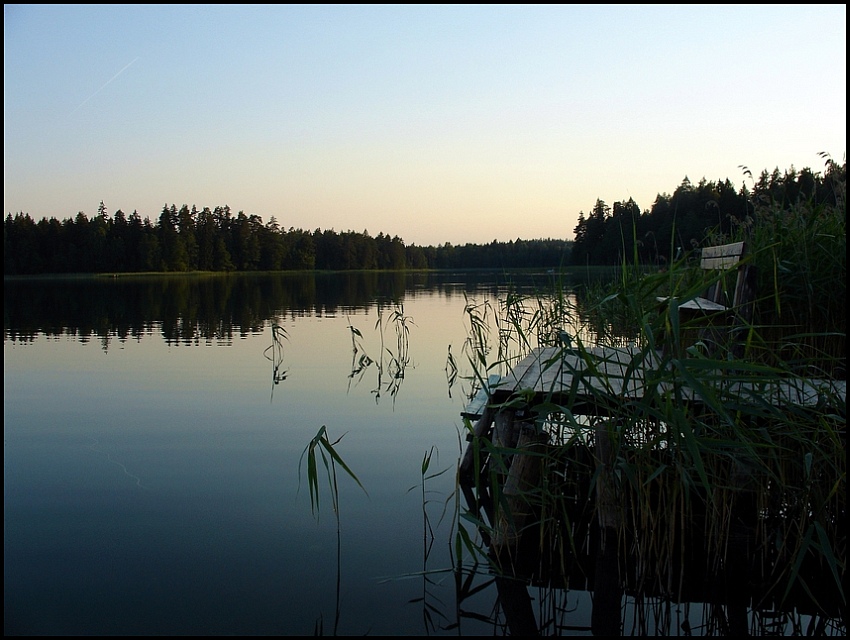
<point x="722" y="258"/>
<point x="733" y="305"/>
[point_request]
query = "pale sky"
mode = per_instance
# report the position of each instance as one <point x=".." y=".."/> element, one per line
<point x="434" y="123"/>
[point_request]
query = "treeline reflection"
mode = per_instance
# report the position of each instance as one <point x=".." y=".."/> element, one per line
<point x="216" y="309"/>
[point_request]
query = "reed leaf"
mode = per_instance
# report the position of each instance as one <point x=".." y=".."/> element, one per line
<point x="330" y="459"/>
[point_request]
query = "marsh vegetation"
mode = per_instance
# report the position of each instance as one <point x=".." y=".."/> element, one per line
<point x="736" y="502"/>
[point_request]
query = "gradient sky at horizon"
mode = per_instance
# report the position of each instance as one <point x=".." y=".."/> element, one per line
<point x="434" y="123"/>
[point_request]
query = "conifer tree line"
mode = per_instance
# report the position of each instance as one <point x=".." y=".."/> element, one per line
<point x="679" y="222"/>
<point x="189" y="239"/>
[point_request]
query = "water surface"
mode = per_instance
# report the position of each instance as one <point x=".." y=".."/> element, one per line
<point x="153" y="433"/>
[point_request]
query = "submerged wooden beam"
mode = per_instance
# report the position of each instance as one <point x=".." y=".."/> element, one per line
<point x="522" y="481"/>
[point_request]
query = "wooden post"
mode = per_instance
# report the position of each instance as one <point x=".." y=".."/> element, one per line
<point x="607" y="589"/>
<point x="477" y="496"/>
<point x="507" y="429"/>
<point x="481" y="429"/>
<point x="513" y="513"/>
<point x="606" y="495"/>
<point x="516" y="604"/>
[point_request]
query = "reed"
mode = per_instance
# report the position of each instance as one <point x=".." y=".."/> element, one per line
<point x="433" y="616"/>
<point x="274" y="353"/>
<point x="742" y="488"/>
<point x="321" y="448"/>
<point x="800" y="252"/>
<point x="390" y="363"/>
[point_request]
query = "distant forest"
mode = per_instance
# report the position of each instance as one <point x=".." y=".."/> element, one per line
<point x="189" y="239"/>
<point x="681" y="221"/>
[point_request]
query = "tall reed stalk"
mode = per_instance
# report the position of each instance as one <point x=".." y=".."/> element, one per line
<point x="745" y="488"/>
<point x="321" y="448"/>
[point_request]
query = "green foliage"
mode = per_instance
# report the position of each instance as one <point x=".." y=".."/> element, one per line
<point x="331" y="459"/>
<point x="699" y="475"/>
<point x="326" y="450"/>
<point x="800" y="252"/>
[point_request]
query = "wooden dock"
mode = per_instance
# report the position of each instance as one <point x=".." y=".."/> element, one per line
<point x="601" y="384"/>
<point x="579" y="378"/>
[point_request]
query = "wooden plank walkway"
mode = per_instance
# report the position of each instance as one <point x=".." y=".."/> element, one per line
<point x="581" y="378"/>
<point x="595" y="382"/>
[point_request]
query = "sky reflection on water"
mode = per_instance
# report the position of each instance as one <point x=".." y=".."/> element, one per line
<point x="152" y="486"/>
<point x="153" y="432"/>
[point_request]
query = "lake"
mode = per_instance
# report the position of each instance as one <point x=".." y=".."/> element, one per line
<point x="155" y="473"/>
<point x="154" y="432"/>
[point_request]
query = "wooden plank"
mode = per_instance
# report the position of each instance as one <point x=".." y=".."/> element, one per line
<point x="609" y="370"/>
<point x="798" y="392"/>
<point x="722" y="256"/>
<point x="703" y="304"/>
<point x="475" y="407"/>
<point x="615" y="372"/>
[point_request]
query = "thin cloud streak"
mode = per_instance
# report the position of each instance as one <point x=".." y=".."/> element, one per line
<point x="105" y="85"/>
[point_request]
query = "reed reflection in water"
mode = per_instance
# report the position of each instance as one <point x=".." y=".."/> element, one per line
<point x="171" y="378"/>
<point x="154" y="427"/>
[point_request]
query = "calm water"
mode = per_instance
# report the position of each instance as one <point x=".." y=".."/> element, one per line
<point x="153" y="433"/>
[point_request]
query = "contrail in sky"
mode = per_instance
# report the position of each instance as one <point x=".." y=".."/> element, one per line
<point x="104" y="85"/>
